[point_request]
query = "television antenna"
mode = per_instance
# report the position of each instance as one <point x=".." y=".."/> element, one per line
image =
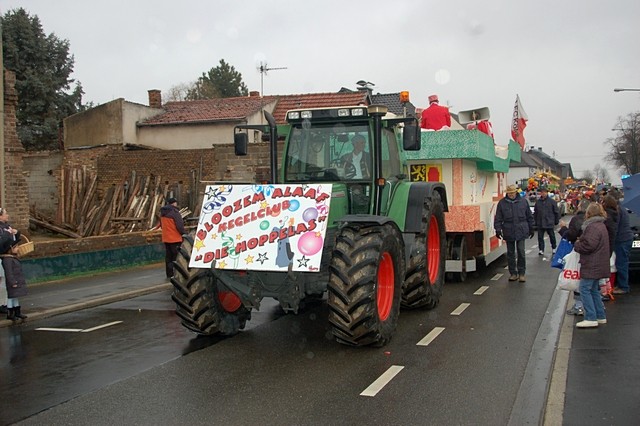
<point x="264" y="68"/>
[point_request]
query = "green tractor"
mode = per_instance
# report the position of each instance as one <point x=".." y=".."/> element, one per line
<point x="384" y="243"/>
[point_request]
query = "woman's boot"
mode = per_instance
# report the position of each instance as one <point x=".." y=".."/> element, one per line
<point x="18" y="314"/>
<point x="11" y="315"/>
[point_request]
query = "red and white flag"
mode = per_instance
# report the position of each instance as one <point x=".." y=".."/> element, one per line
<point x="519" y="123"/>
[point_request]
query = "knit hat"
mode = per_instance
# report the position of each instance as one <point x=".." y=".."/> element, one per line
<point x="433" y="98"/>
<point x="171" y="200"/>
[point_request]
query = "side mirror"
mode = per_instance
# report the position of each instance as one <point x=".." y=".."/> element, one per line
<point x="240" y="143"/>
<point x="411" y="137"/>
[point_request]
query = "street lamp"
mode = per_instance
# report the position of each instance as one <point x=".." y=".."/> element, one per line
<point x="618" y="89"/>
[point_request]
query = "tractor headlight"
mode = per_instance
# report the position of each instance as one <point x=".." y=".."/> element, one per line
<point x="294" y="115"/>
<point x="305" y="114"/>
<point x="357" y="112"/>
<point x="343" y="112"/>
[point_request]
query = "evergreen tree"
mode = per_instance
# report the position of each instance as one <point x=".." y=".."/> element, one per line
<point x="222" y="81"/>
<point x="43" y="66"/>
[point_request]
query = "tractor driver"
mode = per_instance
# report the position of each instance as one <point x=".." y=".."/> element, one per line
<point x="357" y="163"/>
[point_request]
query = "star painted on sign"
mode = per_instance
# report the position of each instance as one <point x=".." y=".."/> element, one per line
<point x="198" y="244"/>
<point x="303" y="262"/>
<point x="239" y="237"/>
<point x="222" y="264"/>
<point x="248" y="260"/>
<point x="210" y="193"/>
<point x="262" y="257"/>
<point x="264" y="204"/>
<point x="214" y="236"/>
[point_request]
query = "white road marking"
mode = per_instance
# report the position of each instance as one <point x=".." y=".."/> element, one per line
<point x="430" y="337"/>
<point x="496" y="277"/>
<point x="88" y="330"/>
<point x="78" y="330"/>
<point x="460" y="309"/>
<point x="382" y="381"/>
<point x="506" y="267"/>
<point x="527" y="251"/>
<point x="481" y="290"/>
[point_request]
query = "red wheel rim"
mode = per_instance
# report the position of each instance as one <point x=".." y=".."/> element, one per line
<point x="433" y="250"/>
<point x="229" y="301"/>
<point x="386" y="284"/>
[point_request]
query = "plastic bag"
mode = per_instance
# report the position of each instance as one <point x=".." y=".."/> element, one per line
<point x="612" y="262"/>
<point x="569" y="278"/>
<point x="563" y="249"/>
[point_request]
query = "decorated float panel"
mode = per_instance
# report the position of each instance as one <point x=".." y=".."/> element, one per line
<point x="262" y="227"/>
<point x="473" y="169"/>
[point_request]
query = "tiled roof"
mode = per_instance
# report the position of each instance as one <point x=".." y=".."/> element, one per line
<point x="392" y="101"/>
<point x="208" y="110"/>
<point x="228" y="109"/>
<point x="316" y="100"/>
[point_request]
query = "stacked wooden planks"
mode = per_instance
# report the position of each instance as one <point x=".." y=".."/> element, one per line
<point x="133" y="205"/>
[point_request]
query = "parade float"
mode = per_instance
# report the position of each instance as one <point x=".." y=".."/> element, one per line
<point x="473" y="168"/>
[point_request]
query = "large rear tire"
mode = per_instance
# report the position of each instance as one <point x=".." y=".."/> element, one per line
<point x="203" y="307"/>
<point x="425" y="274"/>
<point x="365" y="281"/>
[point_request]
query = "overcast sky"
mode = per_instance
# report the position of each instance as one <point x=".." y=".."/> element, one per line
<point x="563" y="58"/>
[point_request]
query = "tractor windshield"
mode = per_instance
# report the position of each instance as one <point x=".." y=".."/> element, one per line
<point x="328" y="152"/>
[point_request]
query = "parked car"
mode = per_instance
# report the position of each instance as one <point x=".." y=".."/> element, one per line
<point x="634" y="256"/>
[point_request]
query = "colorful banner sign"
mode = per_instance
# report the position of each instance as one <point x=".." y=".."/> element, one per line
<point x="262" y="227"/>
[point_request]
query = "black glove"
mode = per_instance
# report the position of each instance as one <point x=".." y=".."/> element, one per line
<point x="499" y="233"/>
<point x="531" y="233"/>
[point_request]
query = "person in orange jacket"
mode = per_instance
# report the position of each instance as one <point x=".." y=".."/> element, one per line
<point x="172" y="230"/>
<point x="435" y="117"/>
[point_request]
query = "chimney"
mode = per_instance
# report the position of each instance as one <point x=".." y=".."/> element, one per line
<point x="155" y="98"/>
<point x="254" y="93"/>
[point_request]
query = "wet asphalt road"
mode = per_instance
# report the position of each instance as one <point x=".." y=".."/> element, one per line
<point x="284" y="369"/>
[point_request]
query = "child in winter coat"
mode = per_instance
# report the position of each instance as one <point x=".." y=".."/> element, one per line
<point x="13" y="277"/>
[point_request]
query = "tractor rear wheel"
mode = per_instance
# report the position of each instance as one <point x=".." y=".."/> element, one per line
<point x="203" y="307"/>
<point x="425" y="273"/>
<point x="366" y="274"/>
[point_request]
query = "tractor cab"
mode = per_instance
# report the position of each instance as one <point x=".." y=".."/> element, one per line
<point x="346" y="147"/>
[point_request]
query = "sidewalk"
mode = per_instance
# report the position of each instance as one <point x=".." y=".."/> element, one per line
<point x="603" y="370"/>
<point x="58" y="297"/>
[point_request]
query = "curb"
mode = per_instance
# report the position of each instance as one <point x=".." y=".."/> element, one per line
<point x="92" y="303"/>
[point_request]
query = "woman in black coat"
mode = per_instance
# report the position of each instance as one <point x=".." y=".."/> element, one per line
<point x="610" y="205"/>
<point x="13" y="277"/>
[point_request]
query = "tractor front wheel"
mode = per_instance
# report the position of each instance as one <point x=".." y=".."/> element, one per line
<point x="425" y="273"/>
<point x="366" y="273"/>
<point x="202" y="306"/>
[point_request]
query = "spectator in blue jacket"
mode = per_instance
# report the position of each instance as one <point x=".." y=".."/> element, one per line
<point x="514" y="223"/>
<point x="546" y="216"/>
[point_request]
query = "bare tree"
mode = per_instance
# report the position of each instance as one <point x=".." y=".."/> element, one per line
<point x="601" y="175"/>
<point x="624" y="148"/>
<point x="178" y="92"/>
<point x="588" y="176"/>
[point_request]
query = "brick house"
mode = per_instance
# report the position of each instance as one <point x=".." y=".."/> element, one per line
<point x="179" y="143"/>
